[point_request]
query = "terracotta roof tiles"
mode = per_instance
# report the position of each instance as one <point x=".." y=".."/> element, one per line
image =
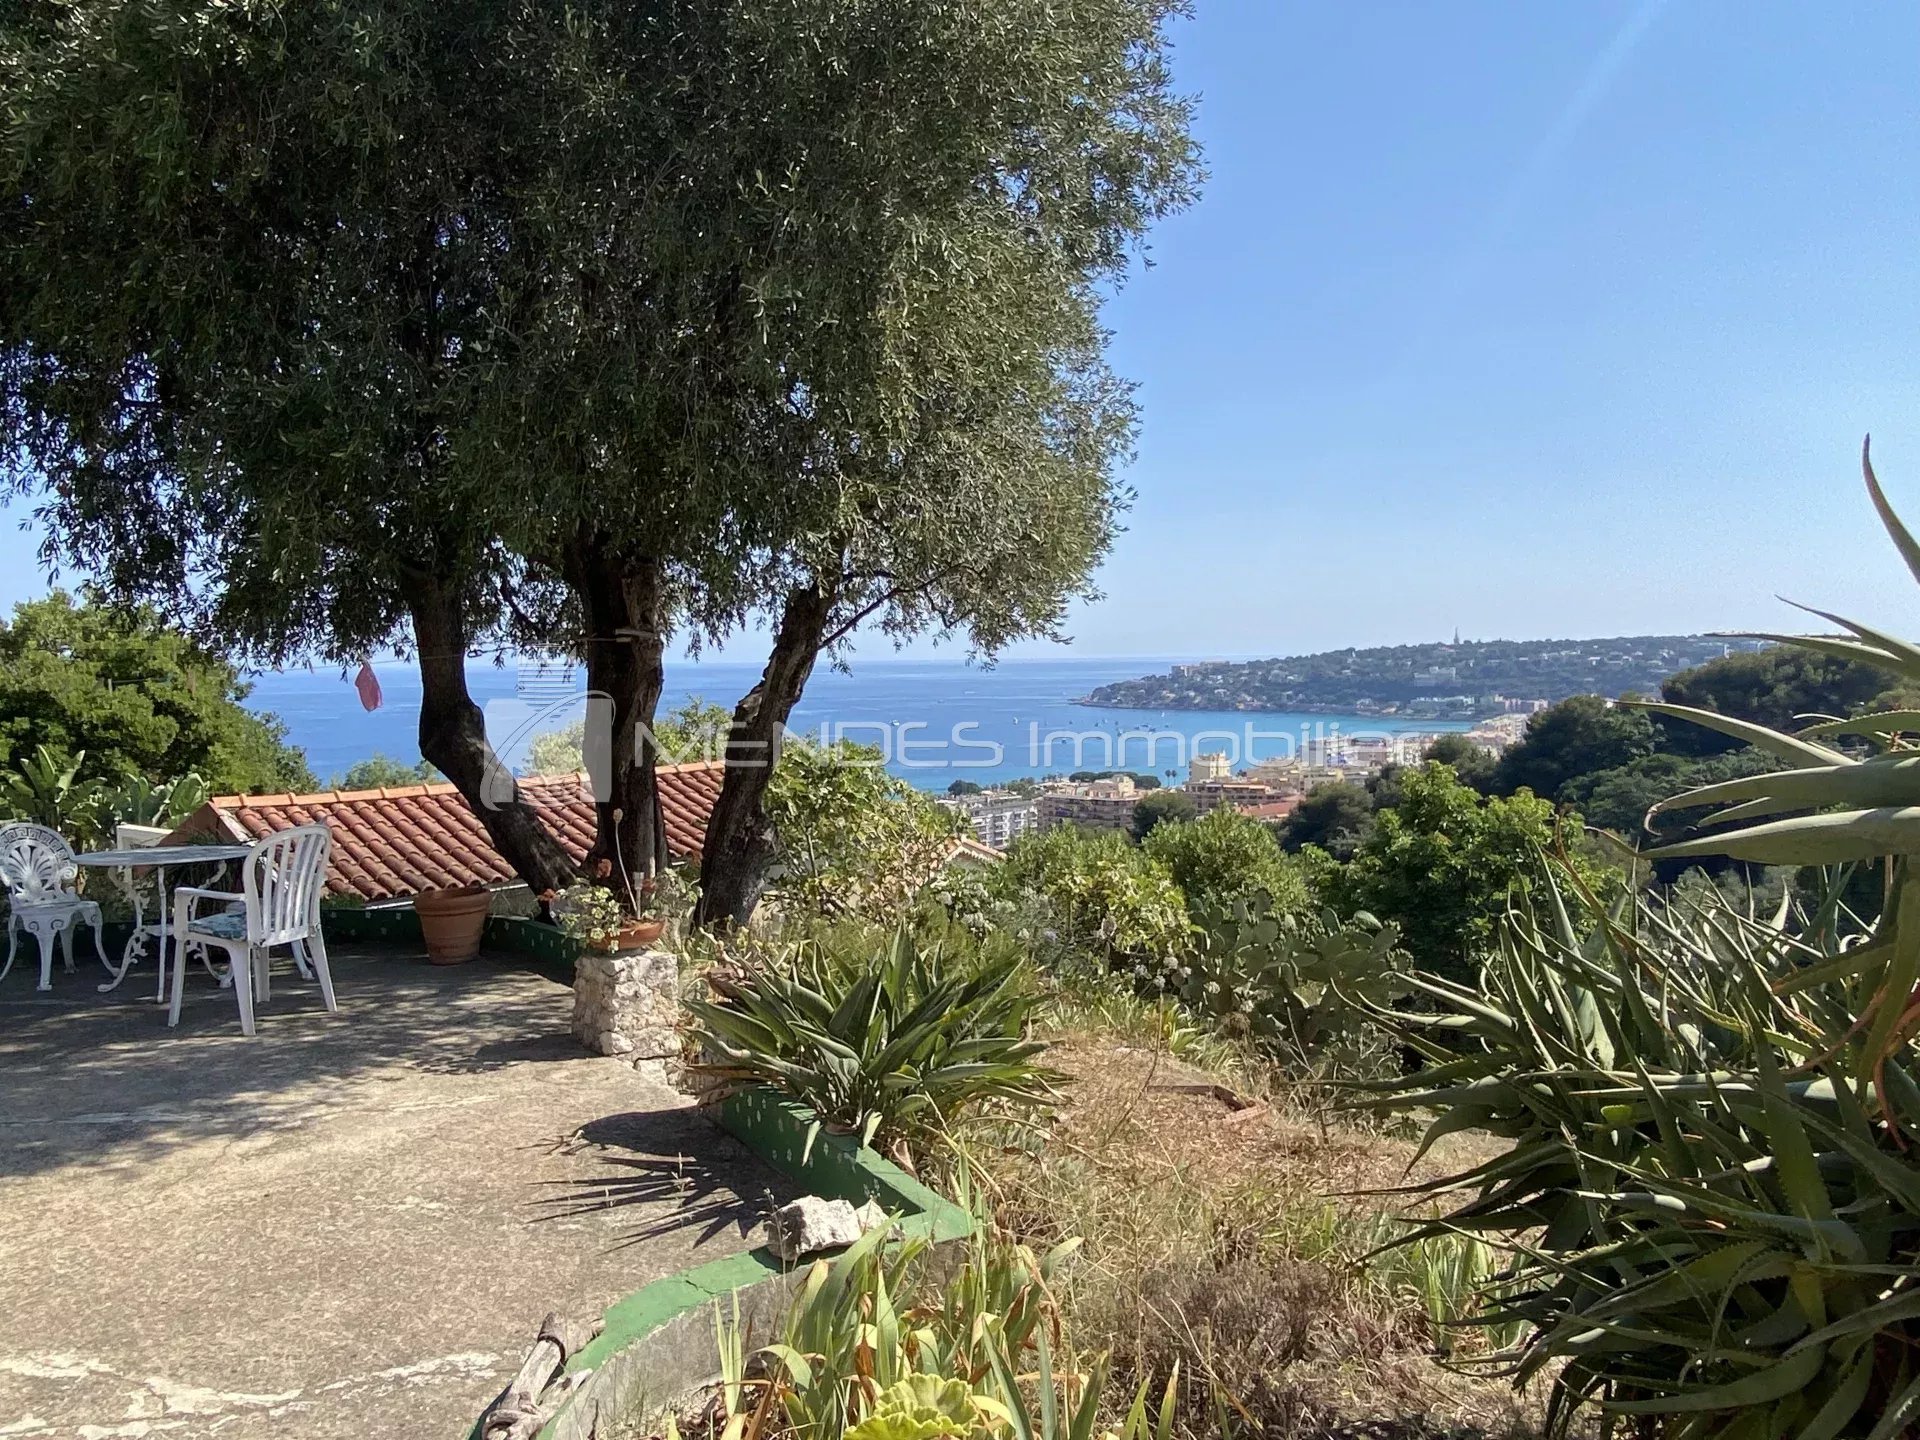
<point x="396" y="842"/>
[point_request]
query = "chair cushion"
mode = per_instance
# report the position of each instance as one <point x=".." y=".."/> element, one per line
<point x="227" y="925"/>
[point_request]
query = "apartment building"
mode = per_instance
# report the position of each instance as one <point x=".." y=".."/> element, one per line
<point x="1097" y="804"/>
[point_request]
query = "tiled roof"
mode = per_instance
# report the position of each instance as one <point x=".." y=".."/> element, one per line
<point x="967" y="851"/>
<point x="398" y="841"/>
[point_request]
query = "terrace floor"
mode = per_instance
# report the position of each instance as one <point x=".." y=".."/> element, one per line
<point x="349" y="1225"/>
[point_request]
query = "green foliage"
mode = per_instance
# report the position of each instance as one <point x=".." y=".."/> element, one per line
<point x="1297" y="987"/>
<point x="1619" y="799"/>
<point x="44" y="788"/>
<point x="477" y="373"/>
<point x="380" y="771"/>
<point x="923" y="1407"/>
<point x="879" y="1345"/>
<point x="126" y="695"/>
<point x="1454" y="1279"/>
<point x="1226" y="856"/>
<point x="1725" y="1209"/>
<point x="694" y="731"/>
<point x="1474" y="765"/>
<point x="1443" y="864"/>
<point x="891" y="1046"/>
<point x="1334" y="818"/>
<point x="1576" y="737"/>
<point x="1104" y="895"/>
<point x="558" y="752"/>
<point x="1160" y="808"/>
<point x="853" y="839"/>
<point x="590" y="913"/>
<point x="138" y="801"/>
<point x="1782" y="687"/>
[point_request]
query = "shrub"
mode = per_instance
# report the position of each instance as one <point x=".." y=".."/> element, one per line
<point x="893" y="1046"/>
<point x="1225" y="856"/>
<point x="1297" y="987"/>
<point x="1442" y="864"/>
<point x="854" y="840"/>
<point x="1104" y="895"/>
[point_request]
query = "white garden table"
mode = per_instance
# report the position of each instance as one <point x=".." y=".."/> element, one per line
<point x="159" y="859"/>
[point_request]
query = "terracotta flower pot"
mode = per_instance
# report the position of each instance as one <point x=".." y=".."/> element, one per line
<point x="636" y="933"/>
<point x="452" y="921"/>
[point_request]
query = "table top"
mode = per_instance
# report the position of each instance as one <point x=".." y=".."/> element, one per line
<point x="152" y="855"/>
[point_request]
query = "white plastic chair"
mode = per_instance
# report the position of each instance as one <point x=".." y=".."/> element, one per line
<point x="278" y="904"/>
<point x="36" y="866"/>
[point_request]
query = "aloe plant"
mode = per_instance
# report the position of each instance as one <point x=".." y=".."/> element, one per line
<point x="1715" y="1225"/>
<point x="880" y="1345"/>
<point x="1711" y="1186"/>
<point x="889" y="1046"/>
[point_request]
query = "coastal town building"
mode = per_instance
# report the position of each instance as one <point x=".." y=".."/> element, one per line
<point x="1210" y="795"/>
<point x="1500" y="732"/>
<point x="1097" y="804"/>
<point x="1204" y="768"/>
<point x="998" y="817"/>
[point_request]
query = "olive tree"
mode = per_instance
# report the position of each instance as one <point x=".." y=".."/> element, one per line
<point x="456" y="324"/>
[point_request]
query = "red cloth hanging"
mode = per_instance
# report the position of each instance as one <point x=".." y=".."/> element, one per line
<point x="368" y="684"/>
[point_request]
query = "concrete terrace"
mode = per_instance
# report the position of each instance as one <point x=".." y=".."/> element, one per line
<point x="347" y="1226"/>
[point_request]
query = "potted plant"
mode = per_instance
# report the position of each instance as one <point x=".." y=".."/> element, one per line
<point x="592" y="915"/>
<point x="452" y="922"/>
<point x="660" y="899"/>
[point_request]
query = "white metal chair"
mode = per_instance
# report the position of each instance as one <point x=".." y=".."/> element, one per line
<point x="278" y="904"/>
<point x="36" y="866"/>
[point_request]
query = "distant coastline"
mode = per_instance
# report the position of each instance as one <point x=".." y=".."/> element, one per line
<point x="1344" y="712"/>
<point x="1441" y="681"/>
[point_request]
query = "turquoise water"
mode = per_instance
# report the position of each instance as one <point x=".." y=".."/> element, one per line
<point x="935" y="721"/>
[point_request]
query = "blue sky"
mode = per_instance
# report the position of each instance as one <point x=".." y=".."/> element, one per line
<point x="1529" y="319"/>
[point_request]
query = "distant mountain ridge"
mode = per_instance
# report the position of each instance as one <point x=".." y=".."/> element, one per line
<point x="1441" y="681"/>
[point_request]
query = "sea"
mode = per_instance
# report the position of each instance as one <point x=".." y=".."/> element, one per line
<point x="933" y="722"/>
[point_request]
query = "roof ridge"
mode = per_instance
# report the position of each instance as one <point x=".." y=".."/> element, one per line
<point x="434" y="787"/>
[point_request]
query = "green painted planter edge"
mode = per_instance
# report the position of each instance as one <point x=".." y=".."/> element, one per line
<point x="839" y="1167"/>
<point x="398" y="923"/>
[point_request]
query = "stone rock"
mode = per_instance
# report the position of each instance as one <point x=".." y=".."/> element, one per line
<point x="810" y="1225"/>
<point x="627" y="1005"/>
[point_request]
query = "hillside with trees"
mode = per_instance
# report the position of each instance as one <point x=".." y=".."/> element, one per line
<point x="1461" y="679"/>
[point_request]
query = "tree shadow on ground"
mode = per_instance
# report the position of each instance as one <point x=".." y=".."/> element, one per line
<point x="94" y="1079"/>
<point x="701" y="1180"/>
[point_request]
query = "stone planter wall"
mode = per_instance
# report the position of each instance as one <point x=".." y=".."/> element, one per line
<point x="628" y="1005"/>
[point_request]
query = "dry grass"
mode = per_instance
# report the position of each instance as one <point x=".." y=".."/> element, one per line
<point x="1230" y="1241"/>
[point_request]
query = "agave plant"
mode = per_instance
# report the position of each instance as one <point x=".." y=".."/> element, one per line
<point x="1713" y="1226"/>
<point x="889" y="1046"/>
<point x="1711" y="1185"/>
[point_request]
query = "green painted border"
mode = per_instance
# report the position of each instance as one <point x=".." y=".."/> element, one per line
<point x="394" y="923"/>
<point x="836" y="1167"/>
<point x="553" y="949"/>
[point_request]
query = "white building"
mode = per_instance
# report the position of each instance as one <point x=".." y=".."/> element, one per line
<point x="998" y="817"/>
<point x="1208" y="769"/>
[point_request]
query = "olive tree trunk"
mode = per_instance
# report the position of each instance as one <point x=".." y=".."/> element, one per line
<point x="624" y="605"/>
<point x="740" y="838"/>
<point x="453" y="738"/>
